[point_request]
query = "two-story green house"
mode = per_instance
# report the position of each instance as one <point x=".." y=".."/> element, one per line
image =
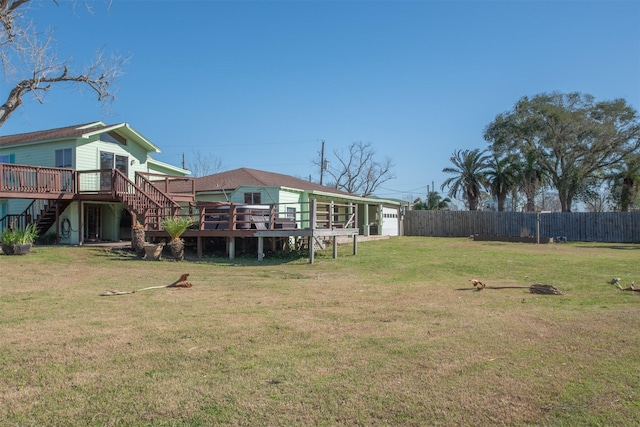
<point x="101" y="174"/>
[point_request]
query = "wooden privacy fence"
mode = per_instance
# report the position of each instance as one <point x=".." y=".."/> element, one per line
<point x="615" y="227"/>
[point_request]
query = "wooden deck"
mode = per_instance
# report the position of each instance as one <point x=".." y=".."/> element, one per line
<point x="316" y="220"/>
<point x="152" y="197"/>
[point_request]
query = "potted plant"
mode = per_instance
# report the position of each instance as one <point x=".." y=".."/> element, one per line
<point x="175" y="226"/>
<point x="18" y="242"/>
<point x="153" y="251"/>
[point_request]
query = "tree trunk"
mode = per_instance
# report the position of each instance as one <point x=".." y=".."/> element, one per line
<point x="502" y="198"/>
<point x="177" y="249"/>
<point x="565" y="201"/>
<point x="473" y="203"/>
<point x="137" y="241"/>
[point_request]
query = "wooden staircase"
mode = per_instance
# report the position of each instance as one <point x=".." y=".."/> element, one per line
<point x="41" y="212"/>
<point x="144" y="199"/>
<point x="47" y="214"/>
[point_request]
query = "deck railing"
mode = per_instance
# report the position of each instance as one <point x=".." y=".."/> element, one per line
<point x="316" y="215"/>
<point x="36" y="179"/>
<point x="176" y="187"/>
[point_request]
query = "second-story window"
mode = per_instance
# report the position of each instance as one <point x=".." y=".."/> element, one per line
<point x="252" y="198"/>
<point x="63" y="158"/>
<point x="113" y="137"/>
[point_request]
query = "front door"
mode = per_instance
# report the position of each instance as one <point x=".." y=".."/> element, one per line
<point x="92" y="223"/>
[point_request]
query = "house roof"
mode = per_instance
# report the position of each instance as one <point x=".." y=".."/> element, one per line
<point x="230" y="180"/>
<point x="80" y="131"/>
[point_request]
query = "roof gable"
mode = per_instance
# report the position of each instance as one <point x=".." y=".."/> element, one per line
<point x="80" y="131"/>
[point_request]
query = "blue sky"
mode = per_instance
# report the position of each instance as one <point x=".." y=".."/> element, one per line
<point x="261" y="84"/>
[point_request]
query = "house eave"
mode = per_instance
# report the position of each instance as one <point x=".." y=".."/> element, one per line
<point x="168" y="166"/>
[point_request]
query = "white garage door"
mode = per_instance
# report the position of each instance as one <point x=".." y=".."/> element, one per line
<point x="389" y="222"/>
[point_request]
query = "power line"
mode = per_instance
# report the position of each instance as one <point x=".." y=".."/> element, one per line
<point x="421" y="188"/>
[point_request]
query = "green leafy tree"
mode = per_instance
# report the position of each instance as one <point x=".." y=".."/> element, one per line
<point x="469" y="170"/>
<point x="573" y="137"/>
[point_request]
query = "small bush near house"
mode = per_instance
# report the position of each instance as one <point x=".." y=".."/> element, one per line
<point x="19" y="237"/>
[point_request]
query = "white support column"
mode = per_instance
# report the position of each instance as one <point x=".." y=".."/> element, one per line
<point x="313" y="212"/>
<point x="232" y="248"/>
<point x="260" y="248"/>
<point x="365" y="220"/>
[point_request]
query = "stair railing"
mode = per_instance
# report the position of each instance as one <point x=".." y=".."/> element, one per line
<point x="144" y="199"/>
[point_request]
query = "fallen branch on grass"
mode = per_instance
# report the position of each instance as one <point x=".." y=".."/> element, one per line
<point x="536" y="288"/>
<point x="176" y="284"/>
<point x="631" y="287"/>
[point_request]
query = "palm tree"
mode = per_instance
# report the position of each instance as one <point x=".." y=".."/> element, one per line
<point x="626" y="183"/>
<point x="469" y="170"/>
<point x="435" y="202"/>
<point x="532" y="178"/>
<point x="175" y="226"/>
<point x="137" y="239"/>
<point x="502" y="177"/>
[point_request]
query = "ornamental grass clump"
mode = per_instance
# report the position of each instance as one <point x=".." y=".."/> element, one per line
<point x="175" y="226"/>
<point x="11" y="238"/>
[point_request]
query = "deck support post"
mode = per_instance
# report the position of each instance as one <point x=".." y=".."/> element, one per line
<point x="57" y="223"/>
<point x="260" y="248"/>
<point x="80" y="225"/>
<point x="199" y="241"/>
<point x="231" y="242"/>
<point x="355" y="244"/>
<point x="335" y="247"/>
<point x="365" y="220"/>
<point x="313" y="211"/>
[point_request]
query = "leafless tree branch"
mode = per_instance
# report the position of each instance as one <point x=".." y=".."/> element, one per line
<point x="358" y="172"/>
<point x="28" y="59"/>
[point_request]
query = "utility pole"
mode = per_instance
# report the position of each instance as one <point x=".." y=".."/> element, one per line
<point x="183" y="163"/>
<point x="322" y="162"/>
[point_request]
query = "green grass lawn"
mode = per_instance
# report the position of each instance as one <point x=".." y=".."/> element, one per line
<point x="387" y="337"/>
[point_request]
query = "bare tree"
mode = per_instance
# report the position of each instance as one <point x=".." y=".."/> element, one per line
<point x="30" y="64"/>
<point x="357" y="171"/>
<point x="204" y="164"/>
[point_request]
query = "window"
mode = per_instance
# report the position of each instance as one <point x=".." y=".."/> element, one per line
<point x="112" y="137"/>
<point x="63" y="158"/>
<point x="291" y="213"/>
<point x="7" y="158"/>
<point x="252" y="198"/>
